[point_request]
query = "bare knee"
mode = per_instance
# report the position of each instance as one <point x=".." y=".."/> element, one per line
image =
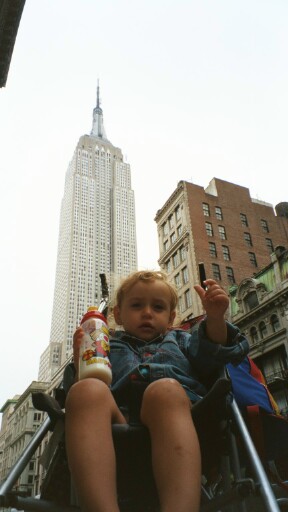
<point x="163" y="395"/>
<point x="86" y="392"/>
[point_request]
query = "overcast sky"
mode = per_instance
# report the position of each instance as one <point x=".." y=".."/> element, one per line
<point x="190" y="90"/>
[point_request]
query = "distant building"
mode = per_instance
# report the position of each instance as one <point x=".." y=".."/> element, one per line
<point x="19" y="422"/>
<point x="49" y="361"/>
<point x="259" y="307"/>
<point x="221" y="226"/>
<point x="97" y="235"/>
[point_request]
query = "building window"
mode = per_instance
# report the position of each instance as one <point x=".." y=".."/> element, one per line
<point x="251" y="300"/>
<point x="177" y="281"/>
<point x="216" y="272"/>
<point x="30" y="479"/>
<point x="173" y="238"/>
<point x="269" y="244"/>
<point x="263" y="330"/>
<point x="226" y="252"/>
<point x="168" y="267"/>
<point x="222" y="232"/>
<point x="243" y="219"/>
<point x="171" y="221"/>
<point x="264" y="225"/>
<point x="212" y="250"/>
<point x="183" y="253"/>
<point x="185" y="275"/>
<point x="178" y="213"/>
<point x="209" y="228"/>
<point x="252" y="259"/>
<point x="180" y="230"/>
<point x="206" y="209"/>
<point x="188" y="298"/>
<point x="230" y="275"/>
<point x="181" y="304"/>
<point x="175" y="259"/>
<point x="218" y="212"/>
<point x="248" y="239"/>
<point x="165" y="228"/>
<point x="254" y="335"/>
<point x="165" y="245"/>
<point x="275" y="324"/>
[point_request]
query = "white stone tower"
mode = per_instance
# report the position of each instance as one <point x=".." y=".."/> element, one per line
<point x="97" y="235"/>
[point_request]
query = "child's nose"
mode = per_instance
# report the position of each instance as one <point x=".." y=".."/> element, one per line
<point x="147" y="311"/>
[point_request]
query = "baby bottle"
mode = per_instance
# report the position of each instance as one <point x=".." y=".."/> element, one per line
<point x="94" y="349"/>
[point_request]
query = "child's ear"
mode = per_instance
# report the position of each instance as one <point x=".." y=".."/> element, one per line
<point x="172" y="318"/>
<point x="117" y="315"/>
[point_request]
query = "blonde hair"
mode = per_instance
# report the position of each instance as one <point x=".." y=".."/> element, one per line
<point x="146" y="276"/>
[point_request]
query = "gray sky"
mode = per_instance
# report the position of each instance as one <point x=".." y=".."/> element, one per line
<point x="190" y="90"/>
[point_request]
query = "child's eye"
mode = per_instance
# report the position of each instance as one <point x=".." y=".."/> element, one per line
<point x="135" y="305"/>
<point x="159" y="307"/>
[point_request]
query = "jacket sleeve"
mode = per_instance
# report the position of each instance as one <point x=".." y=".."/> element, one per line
<point x="205" y="355"/>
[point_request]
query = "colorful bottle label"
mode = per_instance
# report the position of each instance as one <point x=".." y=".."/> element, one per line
<point x="95" y="348"/>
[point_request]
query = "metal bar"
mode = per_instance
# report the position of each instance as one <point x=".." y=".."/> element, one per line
<point x="270" y="501"/>
<point x="33" y="504"/>
<point x="25" y="457"/>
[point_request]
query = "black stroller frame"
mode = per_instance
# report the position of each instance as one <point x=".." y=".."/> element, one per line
<point x="230" y="492"/>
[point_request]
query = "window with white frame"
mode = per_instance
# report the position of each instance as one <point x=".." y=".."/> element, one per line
<point x="269" y="244"/>
<point x="252" y="259"/>
<point x="226" y="252"/>
<point x="243" y="219"/>
<point x="264" y="225"/>
<point x="209" y="228"/>
<point x="230" y="275"/>
<point x="218" y="213"/>
<point x="248" y="239"/>
<point x="206" y="209"/>
<point x="222" y="232"/>
<point x="216" y="272"/>
<point x="212" y="249"/>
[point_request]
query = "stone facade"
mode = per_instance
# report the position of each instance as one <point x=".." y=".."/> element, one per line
<point x="259" y="307"/>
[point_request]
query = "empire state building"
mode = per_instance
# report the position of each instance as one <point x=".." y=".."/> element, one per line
<point x="97" y="235"/>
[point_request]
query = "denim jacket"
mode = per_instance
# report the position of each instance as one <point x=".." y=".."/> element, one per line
<point x="187" y="357"/>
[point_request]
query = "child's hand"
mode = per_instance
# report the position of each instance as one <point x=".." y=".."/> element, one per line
<point x="215" y="300"/>
<point x="77" y="339"/>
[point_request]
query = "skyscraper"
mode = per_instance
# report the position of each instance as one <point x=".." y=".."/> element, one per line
<point x="97" y="235"/>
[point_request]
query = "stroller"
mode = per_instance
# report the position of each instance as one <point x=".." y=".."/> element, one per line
<point x="233" y="480"/>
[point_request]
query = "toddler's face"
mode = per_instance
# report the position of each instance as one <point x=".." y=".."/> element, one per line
<point x="146" y="310"/>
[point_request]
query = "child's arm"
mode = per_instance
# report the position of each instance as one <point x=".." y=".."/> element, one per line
<point x="215" y="301"/>
<point x="77" y="338"/>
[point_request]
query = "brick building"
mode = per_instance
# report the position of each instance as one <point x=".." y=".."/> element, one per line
<point x="221" y="226"/>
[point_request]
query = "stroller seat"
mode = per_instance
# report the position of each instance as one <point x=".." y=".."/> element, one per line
<point x="135" y="482"/>
<point x="216" y="418"/>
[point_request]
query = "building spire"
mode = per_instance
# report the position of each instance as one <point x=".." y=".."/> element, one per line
<point x="98" y="129"/>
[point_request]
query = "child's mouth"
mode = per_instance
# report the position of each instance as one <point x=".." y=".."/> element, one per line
<point x="146" y="327"/>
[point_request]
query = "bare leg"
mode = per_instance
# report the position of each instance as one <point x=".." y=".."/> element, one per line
<point x="90" y="410"/>
<point x="176" y="459"/>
